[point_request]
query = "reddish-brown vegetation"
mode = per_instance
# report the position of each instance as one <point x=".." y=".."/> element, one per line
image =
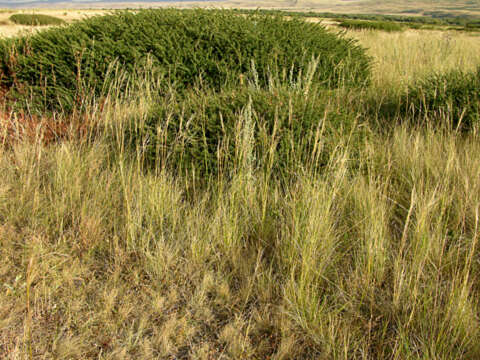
<point x="17" y="126"/>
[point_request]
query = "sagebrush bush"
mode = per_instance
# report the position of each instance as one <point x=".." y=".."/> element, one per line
<point x="35" y="19"/>
<point x="55" y="69"/>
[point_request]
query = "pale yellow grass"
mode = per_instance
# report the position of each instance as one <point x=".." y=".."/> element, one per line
<point x="372" y="259"/>
<point x="400" y="58"/>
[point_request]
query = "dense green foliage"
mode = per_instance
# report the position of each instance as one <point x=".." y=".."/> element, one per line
<point x="35" y="19"/>
<point x="371" y="25"/>
<point x="450" y="100"/>
<point x="454" y="96"/>
<point x="55" y="69"/>
<point x="282" y="122"/>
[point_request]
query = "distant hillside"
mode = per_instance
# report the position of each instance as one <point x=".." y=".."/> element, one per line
<point x="84" y="3"/>
<point x="413" y="7"/>
<point x="433" y="8"/>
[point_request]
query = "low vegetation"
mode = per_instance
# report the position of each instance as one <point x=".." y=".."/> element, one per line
<point x="455" y="95"/>
<point x="278" y="211"/>
<point x="283" y="122"/>
<point x="35" y="19"/>
<point x="388" y="26"/>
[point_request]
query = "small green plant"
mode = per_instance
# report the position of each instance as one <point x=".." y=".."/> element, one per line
<point x="442" y="100"/>
<point x="388" y="26"/>
<point x="35" y="19"/>
<point x="454" y="95"/>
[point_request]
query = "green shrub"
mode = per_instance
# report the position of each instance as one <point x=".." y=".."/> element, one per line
<point x="55" y="69"/>
<point x="35" y="19"/>
<point x="453" y="97"/>
<point x="388" y="26"/>
<point x="455" y="94"/>
<point x="205" y="132"/>
<point x="473" y="26"/>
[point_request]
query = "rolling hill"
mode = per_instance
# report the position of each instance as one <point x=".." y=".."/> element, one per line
<point x="438" y="8"/>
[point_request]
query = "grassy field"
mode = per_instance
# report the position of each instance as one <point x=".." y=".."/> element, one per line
<point x="454" y="7"/>
<point x="8" y="28"/>
<point x="432" y="15"/>
<point x="69" y="12"/>
<point x="366" y="247"/>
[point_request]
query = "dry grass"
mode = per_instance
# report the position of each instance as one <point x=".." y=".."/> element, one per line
<point x="375" y="258"/>
<point x="9" y="29"/>
<point x="402" y="57"/>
